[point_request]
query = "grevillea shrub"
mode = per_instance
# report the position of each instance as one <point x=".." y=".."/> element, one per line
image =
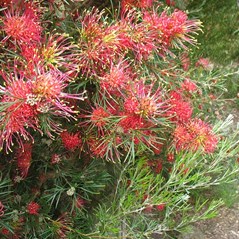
<point x="105" y="125"/>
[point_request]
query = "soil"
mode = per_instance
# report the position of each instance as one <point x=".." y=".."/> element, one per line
<point x="224" y="226"/>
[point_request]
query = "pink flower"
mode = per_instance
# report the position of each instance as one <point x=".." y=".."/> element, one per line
<point x="172" y="30"/>
<point x="48" y="94"/>
<point x="99" y="44"/>
<point x="33" y="208"/>
<point x="53" y="52"/>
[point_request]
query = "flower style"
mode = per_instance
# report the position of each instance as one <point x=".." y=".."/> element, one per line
<point x="194" y="135"/>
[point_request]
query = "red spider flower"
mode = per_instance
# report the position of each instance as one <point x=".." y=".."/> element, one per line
<point x="170" y="3"/>
<point x="55" y="158"/>
<point x="172" y="29"/>
<point x="131" y="122"/>
<point x="58" y="52"/>
<point x="17" y="114"/>
<point x="144" y="100"/>
<point x="141" y="39"/>
<point x="170" y="157"/>
<point x="117" y="79"/>
<point x="80" y="202"/>
<point x="23" y="28"/>
<point x="99" y="44"/>
<point x="33" y="208"/>
<point x="24" y="156"/>
<point x="71" y="141"/>
<point x="98" y="147"/>
<point x="194" y="135"/>
<point x="178" y="109"/>
<point x="160" y="207"/>
<point x="48" y="92"/>
<point x="99" y="117"/>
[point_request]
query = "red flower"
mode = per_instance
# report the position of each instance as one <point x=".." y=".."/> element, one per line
<point x="17" y="114"/>
<point x="170" y="157"/>
<point x="144" y="100"/>
<point x="160" y="207"/>
<point x="171" y="30"/>
<point x="117" y="78"/>
<point x="131" y="122"/>
<point x="24" y="28"/>
<point x="5" y="231"/>
<point x="97" y="147"/>
<point x="179" y="110"/>
<point x="55" y="158"/>
<point x="195" y="134"/>
<point x="24" y="156"/>
<point x="33" y="208"/>
<point x="71" y="141"/>
<point x="99" y="116"/>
